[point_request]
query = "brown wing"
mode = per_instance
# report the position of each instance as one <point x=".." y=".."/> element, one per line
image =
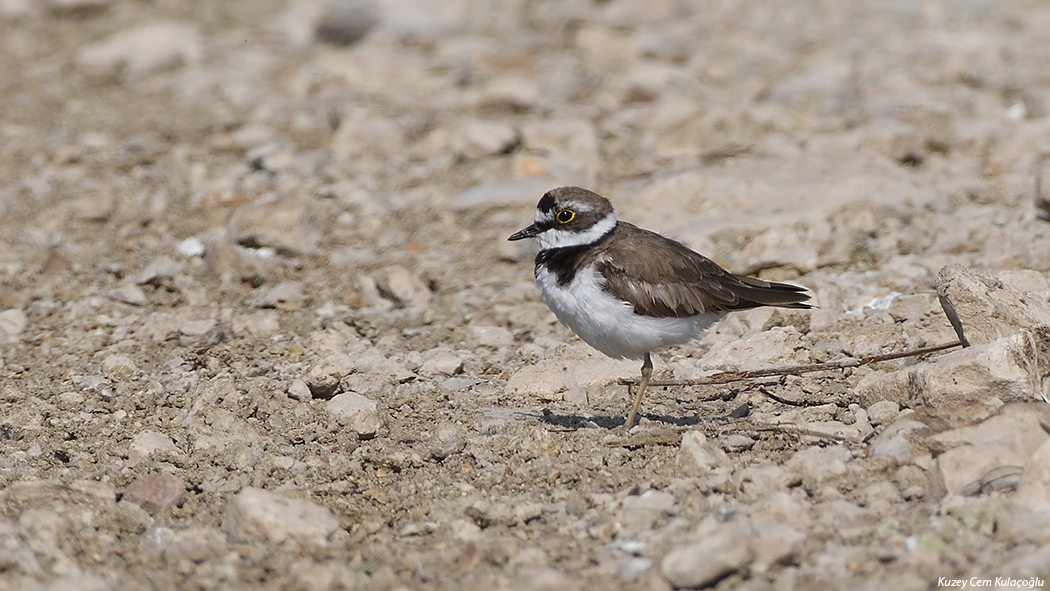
<point x="671" y="280"/>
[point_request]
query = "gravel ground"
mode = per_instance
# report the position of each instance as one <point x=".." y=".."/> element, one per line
<point x="260" y="327"/>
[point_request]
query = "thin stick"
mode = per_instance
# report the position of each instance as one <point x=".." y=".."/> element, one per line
<point x="790" y="370"/>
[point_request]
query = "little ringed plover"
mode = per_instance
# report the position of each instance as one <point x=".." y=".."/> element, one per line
<point x="629" y="292"/>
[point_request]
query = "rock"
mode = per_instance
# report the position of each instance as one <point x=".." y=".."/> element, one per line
<point x="196" y="544"/>
<point x="20" y="496"/>
<point x="491" y="336"/>
<point x="478" y="139"/>
<point x="401" y="286"/>
<point x="448" y="440"/>
<point x="699" y="457"/>
<point x="286" y="295"/>
<point x="756" y="481"/>
<point x="156" y="493"/>
<point x="640" y="512"/>
<point x="779" y="246"/>
<point x="571" y="143"/>
<point x="291" y="226"/>
<point x="298" y="390"/>
<point x="774" y="544"/>
<point x="255" y="514"/>
<point x="1026" y="281"/>
<point x="323" y="377"/>
<point x="911" y="132"/>
<point x="509" y="93"/>
<point x="901" y="440"/>
<point x="441" y="362"/>
<point x="158" y="270"/>
<point x="1033" y="492"/>
<point x="201" y="333"/>
<point x="12" y="323"/>
<point x="511" y="193"/>
<point x="357" y="412"/>
<point x="967" y="385"/>
<point x="883" y="412"/>
<point x="128" y="294"/>
<point x="746" y="193"/>
<point x="143" y="50"/>
<point x="704" y="563"/>
<point x="988" y="308"/>
<point x="780" y="345"/>
<point x="118" y="367"/>
<point x="819" y="465"/>
<point x="147" y="442"/>
<point x="568" y="367"/>
<point x="976" y="459"/>
<point x="345" y="22"/>
<point x="486" y="513"/>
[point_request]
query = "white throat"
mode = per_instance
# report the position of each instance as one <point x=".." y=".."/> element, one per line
<point x="558" y="238"/>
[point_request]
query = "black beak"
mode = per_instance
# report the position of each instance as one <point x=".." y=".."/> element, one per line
<point x="525" y="233"/>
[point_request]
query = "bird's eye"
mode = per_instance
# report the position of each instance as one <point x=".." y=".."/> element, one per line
<point x="566" y="215"/>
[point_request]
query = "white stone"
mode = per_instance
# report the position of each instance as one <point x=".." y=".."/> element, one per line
<point x="478" y="139"/>
<point x="709" y="560"/>
<point x="568" y="367"/>
<point x="145" y="443"/>
<point x="255" y="513"/>
<point x="441" y="362"/>
<point x="491" y="336"/>
<point x="989" y="308"/>
<point x="883" y="412"/>
<point x="698" y="456"/>
<point x="298" y="390"/>
<point x="356" y="412"/>
<point x="13" y="322"/>
<point x="403" y="287"/>
<point x="143" y="50"/>
<point x="818" y="465"/>
<point x="1034" y="489"/>
<point x="323" y="377"/>
<point x="1007" y="439"/>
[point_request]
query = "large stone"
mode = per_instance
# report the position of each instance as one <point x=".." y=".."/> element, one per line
<point x="357" y="412"/>
<point x="255" y="513"/>
<point x="570" y="367"/>
<point x="150" y="48"/>
<point x="987" y="307"/>
<point x="1034" y="489"/>
<point x="156" y="493"/>
<point x="401" y="286"/>
<point x="698" y="456"/>
<point x="988" y="456"/>
<point x="709" y="560"/>
<point x="291" y="226"/>
<point x="968" y="385"/>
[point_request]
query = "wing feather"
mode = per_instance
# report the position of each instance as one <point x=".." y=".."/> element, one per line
<point x="681" y="282"/>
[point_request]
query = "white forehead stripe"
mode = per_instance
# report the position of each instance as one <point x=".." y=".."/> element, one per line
<point x="558" y="237"/>
<point x="576" y="206"/>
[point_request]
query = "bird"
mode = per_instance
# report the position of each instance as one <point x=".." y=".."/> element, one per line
<point x="630" y="292"/>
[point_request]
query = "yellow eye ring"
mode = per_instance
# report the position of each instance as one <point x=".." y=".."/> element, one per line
<point x="566" y="215"/>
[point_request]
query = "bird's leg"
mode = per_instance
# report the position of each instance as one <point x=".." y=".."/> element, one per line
<point x="647" y="372"/>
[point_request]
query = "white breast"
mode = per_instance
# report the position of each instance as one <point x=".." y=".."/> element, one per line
<point x="609" y="324"/>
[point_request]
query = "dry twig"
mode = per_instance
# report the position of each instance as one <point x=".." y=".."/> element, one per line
<point x="790" y="370"/>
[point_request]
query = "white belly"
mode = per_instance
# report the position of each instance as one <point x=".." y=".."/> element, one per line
<point x="609" y="324"/>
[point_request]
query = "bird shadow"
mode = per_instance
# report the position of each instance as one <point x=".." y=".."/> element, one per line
<point x="574" y="422"/>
